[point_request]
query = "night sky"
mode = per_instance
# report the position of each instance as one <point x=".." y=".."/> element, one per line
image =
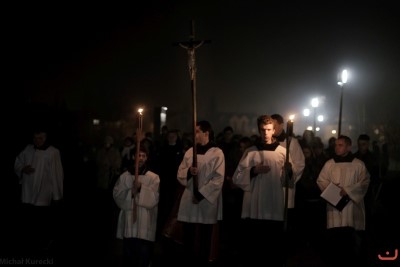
<point x="262" y="58"/>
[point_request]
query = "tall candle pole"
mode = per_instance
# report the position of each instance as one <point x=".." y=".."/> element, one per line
<point x="136" y="183"/>
<point x="289" y="134"/>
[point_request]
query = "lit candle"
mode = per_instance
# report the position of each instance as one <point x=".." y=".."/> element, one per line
<point x="289" y="129"/>
<point x="140" y="111"/>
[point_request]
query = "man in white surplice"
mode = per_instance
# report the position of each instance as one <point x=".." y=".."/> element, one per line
<point x="200" y="208"/>
<point x="351" y="175"/>
<point x="137" y="227"/>
<point x="260" y="174"/>
<point x="40" y="173"/>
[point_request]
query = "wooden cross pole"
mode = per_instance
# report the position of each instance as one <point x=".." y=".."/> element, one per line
<point x="191" y="45"/>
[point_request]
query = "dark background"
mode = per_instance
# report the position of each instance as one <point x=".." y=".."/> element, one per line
<point x="263" y="58"/>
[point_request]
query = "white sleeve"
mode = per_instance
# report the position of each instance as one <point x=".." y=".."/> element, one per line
<point x="149" y="191"/>
<point x="122" y="192"/>
<point x="212" y="189"/>
<point x="241" y="177"/>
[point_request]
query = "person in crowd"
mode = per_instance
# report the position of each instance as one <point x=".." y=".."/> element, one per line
<point x="170" y="157"/>
<point x="310" y="207"/>
<point x="307" y="139"/>
<point x="137" y="199"/>
<point x="371" y="162"/>
<point x="127" y="153"/>
<point x="352" y="177"/>
<point x="330" y="150"/>
<point x="231" y="195"/>
<point x="200" y="207"/>
<point x="108" y="161"/>
<point x="260" y="173"/>
<point x="40" y="172"/>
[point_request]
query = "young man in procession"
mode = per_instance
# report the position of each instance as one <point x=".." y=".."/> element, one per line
<point x="260" y="174"/>
<point x="200" y="207"/>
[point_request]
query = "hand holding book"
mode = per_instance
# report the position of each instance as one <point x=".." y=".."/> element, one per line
<point x="333" y="195"/>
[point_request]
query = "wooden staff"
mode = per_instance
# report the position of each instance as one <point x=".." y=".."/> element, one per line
<point x="289" y="133"/>
<point x="136" y="183"/>
<point x="191" y="47"/>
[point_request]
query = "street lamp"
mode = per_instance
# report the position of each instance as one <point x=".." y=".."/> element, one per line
<point x="341" y="84"/>
<point x="314" y="104"/>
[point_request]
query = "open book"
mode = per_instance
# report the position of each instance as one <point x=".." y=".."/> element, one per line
<point x="332" y="195"/>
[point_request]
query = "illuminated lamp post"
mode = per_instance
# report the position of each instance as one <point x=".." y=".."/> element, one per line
<point x="314" y="104"/>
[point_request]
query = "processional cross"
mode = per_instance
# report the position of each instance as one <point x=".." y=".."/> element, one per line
<point x="191" y="45"/>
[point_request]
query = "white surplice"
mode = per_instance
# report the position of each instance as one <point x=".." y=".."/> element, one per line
<point x="146" y="206"/>
<point x="46" y="182"/>
<point x="354" y="178"/>
<point x="211" y="168"/>
<point x="263" y="194"/>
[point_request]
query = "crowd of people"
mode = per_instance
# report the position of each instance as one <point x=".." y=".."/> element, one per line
<point x="209" y="200"/>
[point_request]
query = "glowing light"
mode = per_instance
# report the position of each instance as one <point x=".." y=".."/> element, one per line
<point x="345" y="75"/>
<point x="306" y="112"/>
<point x="314" y="102"/>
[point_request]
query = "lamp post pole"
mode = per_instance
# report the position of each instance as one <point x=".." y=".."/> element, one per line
<point x="341" y="83"/>
<point x="315" y="121"/>
<point x="314" y="104"/>
<point x="340" y="110"/>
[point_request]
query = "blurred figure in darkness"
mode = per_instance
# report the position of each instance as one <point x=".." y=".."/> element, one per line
<point x="41" y="175"/>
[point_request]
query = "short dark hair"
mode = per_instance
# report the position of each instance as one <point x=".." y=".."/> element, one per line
<point x="205" y="126"/>
<point x="228" y="128"/>
<point x="264" y="120"/>
<point x="346" y="139"/>
<point x="363" y="137"/>
<point x="277" y="117"/>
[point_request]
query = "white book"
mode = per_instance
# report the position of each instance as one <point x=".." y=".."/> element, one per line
<point x="332" y="195"/>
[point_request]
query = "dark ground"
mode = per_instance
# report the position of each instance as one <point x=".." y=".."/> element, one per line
<point x="87" y="234"/>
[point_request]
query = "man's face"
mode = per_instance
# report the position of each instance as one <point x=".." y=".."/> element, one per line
<point x="363" y="146"/>
<point x="201" y="137"/>
<point x="266" y="132"/>
<point x="278" y="128"/>
<point x="142" y="158"/>
<point x="341" y="149"/>
<point x="172" y="138"/>
<point x="228" y="135"/>
<point x="39" y="139"/>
